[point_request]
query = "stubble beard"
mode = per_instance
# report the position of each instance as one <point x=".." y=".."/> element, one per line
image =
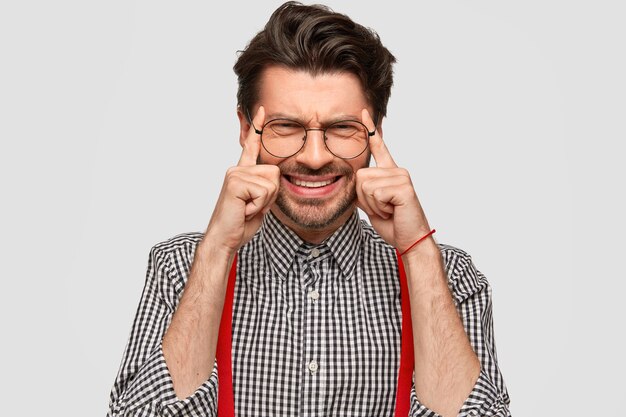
<point x="312" y="213"/>
<point x="315" y="214"/>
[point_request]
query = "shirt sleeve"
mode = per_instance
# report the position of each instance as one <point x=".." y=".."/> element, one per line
<point x="472" y="296"/>
<point x="143" y="386"/>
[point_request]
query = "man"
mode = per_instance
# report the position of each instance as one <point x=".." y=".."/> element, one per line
<point x="318" y="325"/>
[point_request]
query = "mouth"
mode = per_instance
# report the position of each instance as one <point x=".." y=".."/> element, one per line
<point x="312" y="186"/>
<point x="310" y="183"/>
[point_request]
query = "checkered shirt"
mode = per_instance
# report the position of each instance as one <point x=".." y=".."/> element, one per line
<point x="316" y="329"/>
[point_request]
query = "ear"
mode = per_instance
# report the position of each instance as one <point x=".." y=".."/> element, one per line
<point x="244" y="126"/>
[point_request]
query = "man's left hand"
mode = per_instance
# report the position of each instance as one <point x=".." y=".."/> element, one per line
<point x="386" y="194"/>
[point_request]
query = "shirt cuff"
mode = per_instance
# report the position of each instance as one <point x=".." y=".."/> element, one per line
<point x="484" y="400"/>
<point x="152" y="390"/>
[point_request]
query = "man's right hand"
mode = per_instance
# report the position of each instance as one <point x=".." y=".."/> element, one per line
<point x="247" y="194"/>
<point x="189" y="344"/>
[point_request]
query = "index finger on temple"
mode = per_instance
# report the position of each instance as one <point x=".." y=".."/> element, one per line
<point x="252" y="144"/>
<point x="377" y="146"/>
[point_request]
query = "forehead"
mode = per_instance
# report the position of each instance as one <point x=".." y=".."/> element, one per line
<point x="321" y="97"/>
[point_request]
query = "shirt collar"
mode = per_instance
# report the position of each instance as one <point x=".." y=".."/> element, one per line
<point x="282" y="243"/>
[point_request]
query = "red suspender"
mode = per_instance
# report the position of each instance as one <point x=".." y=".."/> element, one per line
<point x="405" y="375"/>
<point x="225" y="399"/>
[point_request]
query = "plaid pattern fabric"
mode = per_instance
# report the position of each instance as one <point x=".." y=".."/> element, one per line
<point x="316" y="329"/>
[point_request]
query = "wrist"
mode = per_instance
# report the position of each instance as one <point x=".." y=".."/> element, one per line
<point x="212" y="245"/>
<point x="424" y="264"/>
<point x="425" y="251"/>
<point x="425" y="235"/>
<point x="211" y="262"/>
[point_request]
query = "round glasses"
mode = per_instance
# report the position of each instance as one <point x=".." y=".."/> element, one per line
<point x="345" y="139"/>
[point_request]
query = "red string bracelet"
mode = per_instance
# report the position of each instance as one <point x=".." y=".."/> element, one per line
<point x="418" y="241"/>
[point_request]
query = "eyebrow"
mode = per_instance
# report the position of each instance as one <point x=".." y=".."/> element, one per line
<point x="337" y="118"/>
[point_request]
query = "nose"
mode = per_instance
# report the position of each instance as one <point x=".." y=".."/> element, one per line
<point x="314" y="154"/>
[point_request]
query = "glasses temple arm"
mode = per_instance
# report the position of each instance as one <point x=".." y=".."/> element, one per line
<point x="257" y="131"/>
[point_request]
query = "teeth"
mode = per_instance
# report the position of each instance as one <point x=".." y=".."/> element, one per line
<point x="311" y="184"/>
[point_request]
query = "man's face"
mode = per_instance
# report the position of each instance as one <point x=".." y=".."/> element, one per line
<point x="317" y="189"/>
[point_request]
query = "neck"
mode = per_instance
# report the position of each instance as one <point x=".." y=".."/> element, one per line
<point x="310" y="235"/>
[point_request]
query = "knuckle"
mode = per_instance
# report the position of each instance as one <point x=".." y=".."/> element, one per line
<point x="234" y="181"/>
<point x="403" y="172"/>
<point x="273" y="171"/>
<point x="230" y="171"/>
<point x="362" y="173"/>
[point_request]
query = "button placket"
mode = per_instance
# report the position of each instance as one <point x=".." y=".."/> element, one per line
<point x="312" y="324"/>
<point x="314" y="338"/>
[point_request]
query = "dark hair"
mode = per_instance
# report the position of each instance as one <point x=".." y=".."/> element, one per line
<point x="317" y="40"/>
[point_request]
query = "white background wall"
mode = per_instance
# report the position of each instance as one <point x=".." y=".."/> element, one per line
<point x="117" y="122"/>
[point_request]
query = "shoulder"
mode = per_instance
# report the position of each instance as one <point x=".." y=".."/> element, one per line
<point x="464" y="279"/>
<point x="184" y="243"/>
<point x="171" y="259"/>
<point x="455" y="259"/>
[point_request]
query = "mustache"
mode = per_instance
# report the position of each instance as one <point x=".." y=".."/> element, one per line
<point x="330" y="169"/>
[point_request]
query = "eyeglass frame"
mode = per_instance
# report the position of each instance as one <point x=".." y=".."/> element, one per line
<point x="306" y="136"/>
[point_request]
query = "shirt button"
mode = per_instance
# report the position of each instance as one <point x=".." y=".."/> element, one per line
<point x="313" y="366"/>
<point x="314" y="295"/>
<point x="315" y="252"/>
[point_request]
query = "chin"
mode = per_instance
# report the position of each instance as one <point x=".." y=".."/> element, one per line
<point x="315" y="214"/>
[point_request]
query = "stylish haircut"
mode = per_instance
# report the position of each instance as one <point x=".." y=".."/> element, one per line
<point x="317" y="40"/>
